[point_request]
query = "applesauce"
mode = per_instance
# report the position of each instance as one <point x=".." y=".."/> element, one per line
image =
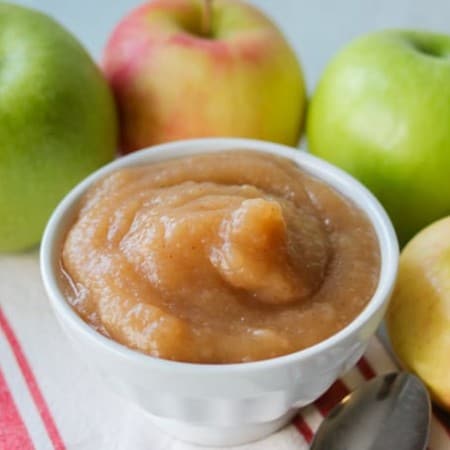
<point x="218" y="258"/>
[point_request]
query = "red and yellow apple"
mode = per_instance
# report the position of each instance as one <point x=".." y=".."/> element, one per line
<point x="180" y="69"/>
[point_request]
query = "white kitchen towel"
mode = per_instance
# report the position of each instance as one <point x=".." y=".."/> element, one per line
<point x="49" y="399"/>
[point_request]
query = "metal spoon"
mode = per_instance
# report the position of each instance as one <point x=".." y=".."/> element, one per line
<point x="390" y="412"/>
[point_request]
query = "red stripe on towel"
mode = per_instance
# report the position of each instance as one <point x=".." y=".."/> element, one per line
<point x="365" y="368"/>
<point x="32" y="384"/>
<point x="13" y="433"/>
<point x="332" y="397"/>
<point x="304" y="429"/>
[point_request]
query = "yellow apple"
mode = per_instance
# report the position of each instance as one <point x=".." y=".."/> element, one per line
<point x="418" y="317"/>
<point x="179" y="69"/>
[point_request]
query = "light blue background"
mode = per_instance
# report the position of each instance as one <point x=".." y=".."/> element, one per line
<point x="316" y="29"/>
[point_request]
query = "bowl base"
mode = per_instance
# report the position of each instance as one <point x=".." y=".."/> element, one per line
<point x="221" y="436"/>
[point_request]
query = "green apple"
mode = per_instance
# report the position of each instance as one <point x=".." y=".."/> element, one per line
<point x="418" y="318"/>
<point x="57" y="121"/>
<point x="382" y="112"/>
<point x="194" y="68"/>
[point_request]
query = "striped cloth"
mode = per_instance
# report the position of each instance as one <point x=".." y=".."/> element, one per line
<point x="50" y="400"/>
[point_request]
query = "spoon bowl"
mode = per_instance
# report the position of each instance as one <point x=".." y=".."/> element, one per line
<point x="392" y="411"/>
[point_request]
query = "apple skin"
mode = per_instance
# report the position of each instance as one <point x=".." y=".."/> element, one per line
<point x="381" y="111"/>
<point x="171" y="83"/>
<point x="57" y="121"/>
<point x="418" y="317"/>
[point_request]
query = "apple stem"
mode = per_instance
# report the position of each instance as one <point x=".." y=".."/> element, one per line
<point x="207" y="17"/>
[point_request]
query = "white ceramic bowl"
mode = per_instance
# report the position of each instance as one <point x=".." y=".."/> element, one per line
<point x="223" y="404"/>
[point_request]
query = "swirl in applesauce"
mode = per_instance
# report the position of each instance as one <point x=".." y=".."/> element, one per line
<point x="218" y="258"/>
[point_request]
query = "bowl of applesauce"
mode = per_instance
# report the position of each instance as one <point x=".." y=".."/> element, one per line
<point x="219" y="283"/>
